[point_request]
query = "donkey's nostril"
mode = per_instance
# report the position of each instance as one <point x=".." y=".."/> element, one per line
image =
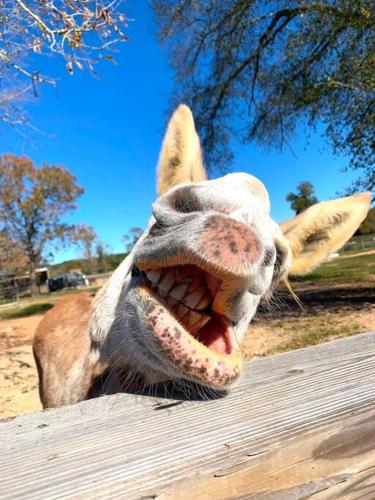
<point x="230" y="242"/>
<point x="186" y="206"/>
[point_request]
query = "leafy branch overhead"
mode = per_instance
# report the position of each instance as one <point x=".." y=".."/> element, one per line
<point x="272" y="66"/>
<point x="80" y="32"/>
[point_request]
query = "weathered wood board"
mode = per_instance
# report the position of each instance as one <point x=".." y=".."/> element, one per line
<point x="300" y="425"/>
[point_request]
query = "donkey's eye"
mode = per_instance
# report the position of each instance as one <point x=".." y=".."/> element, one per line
<point x="281" y="257"/>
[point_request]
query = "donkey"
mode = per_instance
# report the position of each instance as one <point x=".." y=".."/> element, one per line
<point x="178" y="307"/>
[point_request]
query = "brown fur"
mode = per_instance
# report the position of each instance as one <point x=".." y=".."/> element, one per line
<point x="61" y="350"/>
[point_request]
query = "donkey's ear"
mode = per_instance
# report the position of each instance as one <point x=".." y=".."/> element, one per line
<point x="322" y="229"/>
<point x="181" y="155"/>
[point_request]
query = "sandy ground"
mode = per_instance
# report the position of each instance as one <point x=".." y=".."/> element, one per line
<point x="18" y="377"/>
<point x="336" y="312"/>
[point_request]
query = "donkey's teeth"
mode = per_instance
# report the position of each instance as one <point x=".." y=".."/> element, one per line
<point x="179" y="291"/>
<point x="204" y="302"/>
<point x="153" y="275"/>
<point x="167" y="282"/>
<point x="186" y="279"/>
<point x="193" y="299"/>
<point x="185" y="292"/>
<point x="172" y="302"/>
<point x="181" y="311"/>
<point x="204" y="318"/>
<point x="193" y="318"/>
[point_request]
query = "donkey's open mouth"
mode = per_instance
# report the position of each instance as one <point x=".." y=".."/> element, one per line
<point x="199" y="341"/>
<point x="188" y="292"/>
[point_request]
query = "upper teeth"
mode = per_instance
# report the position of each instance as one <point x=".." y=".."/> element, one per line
<point x="193" y="299"/>
<point x="153" y="275"/>
<point x="167" y="282"/>
<point x="188" y="291"/>
<point x="179" y="291"/>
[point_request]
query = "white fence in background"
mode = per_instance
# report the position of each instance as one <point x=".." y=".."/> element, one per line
<point x="360" y="243"/>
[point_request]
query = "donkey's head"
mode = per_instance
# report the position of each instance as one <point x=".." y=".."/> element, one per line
<point x="181" y="303"/>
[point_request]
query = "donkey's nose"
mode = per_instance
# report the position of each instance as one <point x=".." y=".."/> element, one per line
<point x="230" y="243"/>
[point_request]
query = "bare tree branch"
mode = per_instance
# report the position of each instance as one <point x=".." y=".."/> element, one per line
<point x="80" y="32"/>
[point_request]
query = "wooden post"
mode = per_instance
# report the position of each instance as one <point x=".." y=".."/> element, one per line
<point x="16" y="289"/>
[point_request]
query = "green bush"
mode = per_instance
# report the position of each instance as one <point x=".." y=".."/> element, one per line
<point x="26" y="311"/>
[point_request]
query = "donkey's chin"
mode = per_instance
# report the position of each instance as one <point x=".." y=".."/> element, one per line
<point x="198" y="342"/>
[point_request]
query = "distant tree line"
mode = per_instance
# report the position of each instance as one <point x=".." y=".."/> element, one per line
<point x="93" y="266"/>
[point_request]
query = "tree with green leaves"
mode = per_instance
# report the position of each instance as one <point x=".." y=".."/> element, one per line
<point x="259" y="70"/>
<point x="368" y="225"/>
<point x="33" y="202"/>
<point x="304" y="198"/>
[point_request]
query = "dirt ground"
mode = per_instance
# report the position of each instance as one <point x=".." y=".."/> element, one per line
<point x="280" y="325"/>
<point x="326" y="315"/>
<point x="18" y="377"/>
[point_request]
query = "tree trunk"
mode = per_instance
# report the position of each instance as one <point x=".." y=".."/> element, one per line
<point x="16" y="289"/>
<point x="33" y="287"/>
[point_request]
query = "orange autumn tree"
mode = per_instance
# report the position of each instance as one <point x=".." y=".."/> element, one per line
<point x="33" y="202"/>
<point x="12" y="259"/>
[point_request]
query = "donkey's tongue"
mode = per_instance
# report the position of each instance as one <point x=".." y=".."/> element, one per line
<point x="218" y="335"/>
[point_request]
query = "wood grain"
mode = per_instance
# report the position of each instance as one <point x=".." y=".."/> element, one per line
<point x="300" y="425"/>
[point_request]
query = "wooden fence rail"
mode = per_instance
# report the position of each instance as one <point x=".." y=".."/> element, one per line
<point x="300" y="425"/>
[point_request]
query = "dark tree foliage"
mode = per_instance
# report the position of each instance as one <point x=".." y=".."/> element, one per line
<point x="273" y="66"/>
<point x="368" y="225"/>
<point x="304" y="198"/>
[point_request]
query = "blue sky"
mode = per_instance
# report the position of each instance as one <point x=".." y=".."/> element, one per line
<point x="107" y="131"/>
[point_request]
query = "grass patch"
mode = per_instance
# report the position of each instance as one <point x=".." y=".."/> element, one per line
<point x="313" y="331"/>
<point x="359" y="270"/>
<point x="70" y="291"/>
<point x="23" y="312"/>
<point x="42" y="299"/>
